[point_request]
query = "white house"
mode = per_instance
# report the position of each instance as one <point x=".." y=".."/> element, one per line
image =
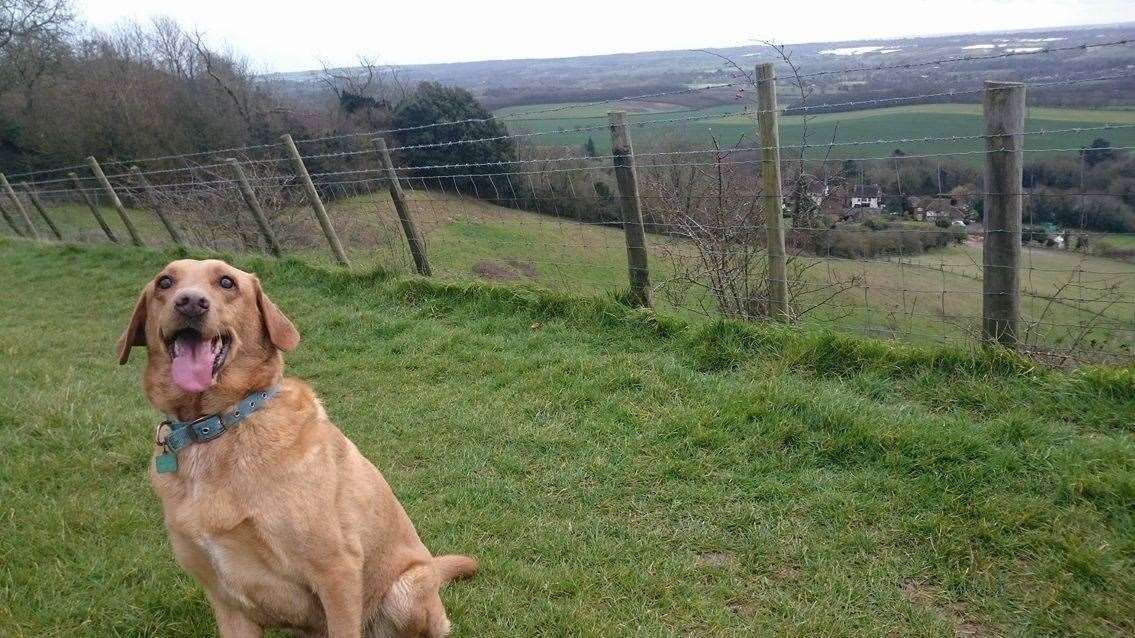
<point x="867" y="197"/>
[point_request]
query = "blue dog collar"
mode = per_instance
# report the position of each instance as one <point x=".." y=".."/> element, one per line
<point x="182" y="434"/>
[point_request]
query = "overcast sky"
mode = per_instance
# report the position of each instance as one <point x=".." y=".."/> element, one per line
<point x="282" y="36"/>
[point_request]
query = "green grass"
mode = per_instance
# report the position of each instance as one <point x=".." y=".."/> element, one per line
<point x="1118" y="241"/>
<point x="930" y="297"/>
<point x="900" y="122"/>
<point x="617" y="472"/>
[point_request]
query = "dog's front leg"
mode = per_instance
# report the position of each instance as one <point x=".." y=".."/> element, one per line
<point x="340" y="591"/>
<point x="231" y="622"/>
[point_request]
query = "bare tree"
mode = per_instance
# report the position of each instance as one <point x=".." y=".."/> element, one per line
<point x="715" y="208"/>
<point x="32" y="42"/>
<point x="33" y="18"/>
<point x="369" y="90"/>
<point x="724" y="239"/>
<point x="227" y="75"/>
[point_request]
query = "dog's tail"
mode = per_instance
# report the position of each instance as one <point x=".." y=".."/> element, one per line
<point x="453" y="566"/>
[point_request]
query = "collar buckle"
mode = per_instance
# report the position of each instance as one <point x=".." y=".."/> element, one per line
<point x="161" y="433"/>
<point x="207" y="428"/>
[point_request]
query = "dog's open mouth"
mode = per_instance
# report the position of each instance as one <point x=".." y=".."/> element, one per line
<point x="195" y="359"/>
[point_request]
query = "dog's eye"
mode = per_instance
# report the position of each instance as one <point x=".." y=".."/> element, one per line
<point x="165" y="281"/>
<point x="227" y="282"/>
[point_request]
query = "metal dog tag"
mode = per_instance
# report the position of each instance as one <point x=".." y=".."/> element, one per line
<point x="165" y="463"/>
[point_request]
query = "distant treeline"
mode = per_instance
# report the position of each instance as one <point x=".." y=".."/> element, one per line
<point x="156" y="89"/>
<point x="67" y="91"/>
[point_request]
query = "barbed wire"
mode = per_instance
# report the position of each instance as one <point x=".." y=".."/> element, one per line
<point x="731" y="150"/>
<point x="707" y="116"/>
<point x="910" y="140"/>
<point x="876" y="308"/>
<point x="881" y="277"/>
<point x="868" y="102"/>
<point x="905" y="156"/>
<point x="156" y="158"/>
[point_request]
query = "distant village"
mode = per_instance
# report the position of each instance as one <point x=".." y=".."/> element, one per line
<point x="861" y="203"/>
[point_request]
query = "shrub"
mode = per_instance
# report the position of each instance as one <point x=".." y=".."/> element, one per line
<point x="432" y="103"/>
<point x="856" y="242"/>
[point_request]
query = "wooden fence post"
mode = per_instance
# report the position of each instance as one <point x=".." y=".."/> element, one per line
<point x="315" y="201"/>
<point x="19" y="206"/>
<point x="42" y="210"/>
<point x="254" y="206"/>
<point x="773" y="195"/>
<point x="117" y="203"/>
<point x="152" y="195"/>
<point x="409" y="228"/>
<point x="78" y="186"/>
<point x="622" y="153"/>
<point x="1004" y="110"/>
<point x="11" y="222"/>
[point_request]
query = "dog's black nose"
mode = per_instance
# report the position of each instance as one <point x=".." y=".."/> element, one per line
<point x="192" y="304"/>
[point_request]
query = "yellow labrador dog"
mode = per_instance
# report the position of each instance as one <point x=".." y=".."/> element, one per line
<point x="267" y="504"/>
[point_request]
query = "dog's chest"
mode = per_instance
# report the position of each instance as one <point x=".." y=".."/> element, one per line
<point x="255" y="581"/>
<point x="223" y="536"/>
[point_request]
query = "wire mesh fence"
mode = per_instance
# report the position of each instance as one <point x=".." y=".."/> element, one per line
<point x="882" y="236"/>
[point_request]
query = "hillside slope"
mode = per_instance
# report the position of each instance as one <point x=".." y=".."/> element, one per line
<point x="616" y="472"/>
<point x="935" y="296"/>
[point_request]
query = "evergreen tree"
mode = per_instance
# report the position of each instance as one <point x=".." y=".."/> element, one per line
<point x="1099" y="151"/>
<point x="589" y="148"/>
<point x="426" y="116"/>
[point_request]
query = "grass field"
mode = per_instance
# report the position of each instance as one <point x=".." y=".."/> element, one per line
<point x="900" y="122"/>
<point x="616" y="472"/>
<point x="1119" y="241"/>
<point x="930" y="297"/>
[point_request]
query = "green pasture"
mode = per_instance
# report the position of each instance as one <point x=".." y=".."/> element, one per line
<point x="1070" y="299"/>
<point x="900" y="122"/>
<point x="617" y="472"/>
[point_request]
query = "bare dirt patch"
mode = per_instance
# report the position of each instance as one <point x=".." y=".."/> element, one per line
<point x="932" y="599"/>
<point x="714" y="559"/>
<point x="786" y="574"/>
<point x="507" y="270"/>
<point x="742" y="608"/>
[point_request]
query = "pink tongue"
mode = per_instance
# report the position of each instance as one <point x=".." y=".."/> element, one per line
<point x="192" y="367"/>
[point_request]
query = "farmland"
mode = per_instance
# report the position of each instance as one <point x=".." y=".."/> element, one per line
<point x="900" y="122"/>
<point x="830" y="67"/>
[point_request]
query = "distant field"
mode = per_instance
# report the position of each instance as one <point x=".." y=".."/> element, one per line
<point x="1119" y="241"/>
<point x="901" y="122"/>
<point x="930" y="297"/>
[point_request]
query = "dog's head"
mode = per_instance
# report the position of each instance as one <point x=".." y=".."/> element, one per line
<point x="208" y="329"/>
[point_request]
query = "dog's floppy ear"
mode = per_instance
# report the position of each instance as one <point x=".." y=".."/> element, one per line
<point x="135" y="333"/>
<point x="281" y="332"/>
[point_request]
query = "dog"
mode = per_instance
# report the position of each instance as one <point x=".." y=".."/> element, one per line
<point x="274" y="512"/>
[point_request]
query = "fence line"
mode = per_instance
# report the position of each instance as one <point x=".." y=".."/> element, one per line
<point x="902" y="157"/>
<point x="692" y="248"/>
<point x="833" y="144"/>
<point x="693" y="118"/>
